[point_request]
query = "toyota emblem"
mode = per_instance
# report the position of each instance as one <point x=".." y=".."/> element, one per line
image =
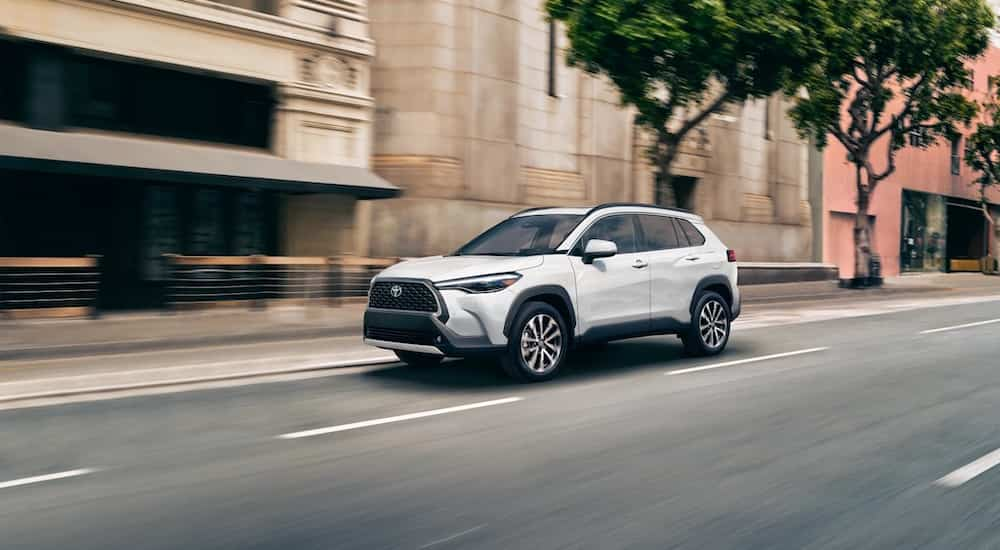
<point x="396" y="291"/>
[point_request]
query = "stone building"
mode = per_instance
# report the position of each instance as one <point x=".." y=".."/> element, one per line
<point x="478" y="116"/>
<point x="134" y="128"/>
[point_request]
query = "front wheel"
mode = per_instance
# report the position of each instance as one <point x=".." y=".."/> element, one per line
<point x="416" y="359"/>
<point x="710" y="326"/>
<point x="536" y="348"/>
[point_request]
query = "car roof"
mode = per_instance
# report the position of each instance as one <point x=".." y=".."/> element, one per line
<point x="631" y="208"/>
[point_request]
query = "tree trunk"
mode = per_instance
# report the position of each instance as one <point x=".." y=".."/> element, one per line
<point x="666" y="195"/>
<point x="862" y="232"/>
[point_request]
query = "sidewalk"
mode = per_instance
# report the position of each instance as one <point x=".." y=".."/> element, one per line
<point x="151" y="331"/>
<point x="147" y="331"/>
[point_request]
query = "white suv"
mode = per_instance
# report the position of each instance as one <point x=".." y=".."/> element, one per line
<point x="548" y="279"/>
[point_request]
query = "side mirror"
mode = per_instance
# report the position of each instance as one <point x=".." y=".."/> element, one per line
<point x="597" y="248"/>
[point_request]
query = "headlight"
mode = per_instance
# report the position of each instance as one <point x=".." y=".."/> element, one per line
<point x="484" y="283"/>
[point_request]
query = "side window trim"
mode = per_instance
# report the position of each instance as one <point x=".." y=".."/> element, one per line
<point x="682" y="239"/>
<point x="641" y="245"/>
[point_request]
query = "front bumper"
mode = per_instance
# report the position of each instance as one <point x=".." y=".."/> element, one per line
<point x="421" y="333"/>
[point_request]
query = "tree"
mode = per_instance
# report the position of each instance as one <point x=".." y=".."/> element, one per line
<point x="982" y="149"/>
<point x="677" y="62"/>
<point x="892" y="67"/>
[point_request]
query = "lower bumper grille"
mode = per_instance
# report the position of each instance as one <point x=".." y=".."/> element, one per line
<point x="420" y="337"/>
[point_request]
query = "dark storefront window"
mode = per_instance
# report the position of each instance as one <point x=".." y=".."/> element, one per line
<point x="249" y="225"/>
<point x="55" y="88"/>
<point x="162" y="235"/>
<point x="923" y="233"/>
<point x="207" y="237"/>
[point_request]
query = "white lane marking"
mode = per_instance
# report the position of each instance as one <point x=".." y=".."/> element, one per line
<point x="453" y="537"/>
<point x="46" y="477"/>
<point x="956" y="327"/>
<point x="400" y="418"/>
<point x="970" y="470"/>
<point x="744" y="361"/>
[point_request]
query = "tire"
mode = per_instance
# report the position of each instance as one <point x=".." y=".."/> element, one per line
<point x="711" y="325"/>
<point x="528" y="361"/>
<point x="415" y="359"/>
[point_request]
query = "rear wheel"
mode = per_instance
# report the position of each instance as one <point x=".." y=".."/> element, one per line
<point x="710" y="326"/>
<point x="536" y="348"/>
<point x="416" y="359"/>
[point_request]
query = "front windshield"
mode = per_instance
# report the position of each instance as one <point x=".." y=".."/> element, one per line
<point x="523" y="236"/>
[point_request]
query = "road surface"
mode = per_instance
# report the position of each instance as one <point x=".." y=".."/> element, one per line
<point x="863" y="432"/>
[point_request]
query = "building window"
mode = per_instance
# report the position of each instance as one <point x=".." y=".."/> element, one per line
<point x="552" y="88"/>
<point x="767" y="118"/>
<point x="265" y="6"/>
<point x="956" y="156"/>
<point x="918" y="137"/>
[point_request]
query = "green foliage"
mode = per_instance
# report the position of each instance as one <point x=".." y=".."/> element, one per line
<point x="691" y="56"/>
<point x="894" y="66"/>
<point x="982" y="148"/>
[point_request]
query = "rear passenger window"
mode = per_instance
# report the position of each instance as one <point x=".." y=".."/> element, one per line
<point x="658" y="231"/>
<point x="694" y="237"/>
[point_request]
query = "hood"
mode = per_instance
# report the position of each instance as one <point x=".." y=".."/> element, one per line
<point x="443" y="268"/>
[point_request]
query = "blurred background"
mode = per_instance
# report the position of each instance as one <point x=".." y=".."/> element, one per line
<point x="389" y="129"/>
<point x="195" y="195"/>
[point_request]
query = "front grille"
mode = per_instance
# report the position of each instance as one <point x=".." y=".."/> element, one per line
<point x="412" y="296"/>
<point x="399" y="335"/>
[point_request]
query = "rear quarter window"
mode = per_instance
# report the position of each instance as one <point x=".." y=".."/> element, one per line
<point x="694" y="237"/>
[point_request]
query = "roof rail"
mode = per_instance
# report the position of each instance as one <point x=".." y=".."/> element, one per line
<point x="526" y="210"/>
<point x="636" y="204"/>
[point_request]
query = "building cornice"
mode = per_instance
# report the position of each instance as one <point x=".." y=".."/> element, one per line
<point x="258" y="24"/>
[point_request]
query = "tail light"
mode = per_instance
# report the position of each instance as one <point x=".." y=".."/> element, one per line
<point x="731" y="255"/>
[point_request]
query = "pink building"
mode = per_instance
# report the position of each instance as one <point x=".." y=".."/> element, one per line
<point x="925" y="216"/>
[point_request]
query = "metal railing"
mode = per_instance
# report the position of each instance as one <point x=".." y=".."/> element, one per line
<point x="49" y="287"/>
<point x="262" y="281"/>
<point x="352" y="275"/>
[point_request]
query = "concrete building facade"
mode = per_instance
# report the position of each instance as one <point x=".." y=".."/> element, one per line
<point x="478" y="116"/>
<point x="135" y="128"/>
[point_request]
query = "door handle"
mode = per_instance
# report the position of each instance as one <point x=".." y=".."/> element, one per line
<point x="693" y="258"/>
<point x="639" y="264"/>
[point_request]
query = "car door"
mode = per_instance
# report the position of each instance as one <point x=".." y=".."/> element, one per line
<point x="699" y="260"/>
<point x="672" y="277"/>
<point x="612" y="293"/>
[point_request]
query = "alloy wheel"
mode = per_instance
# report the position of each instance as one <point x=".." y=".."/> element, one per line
<point x="541" y="343"/>
<point x="713" y="324"/>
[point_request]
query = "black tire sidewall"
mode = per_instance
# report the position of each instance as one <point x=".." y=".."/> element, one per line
<point x="692" y="340"/>
<point x="512" y="362"/>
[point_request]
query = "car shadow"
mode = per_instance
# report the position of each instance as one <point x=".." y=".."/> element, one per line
<point x="663" y="353"/>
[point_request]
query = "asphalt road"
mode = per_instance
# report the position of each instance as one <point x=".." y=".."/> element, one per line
<point x="867" y="438"/>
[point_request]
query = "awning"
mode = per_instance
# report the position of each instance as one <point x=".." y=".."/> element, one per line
<point x="161" y="160"/>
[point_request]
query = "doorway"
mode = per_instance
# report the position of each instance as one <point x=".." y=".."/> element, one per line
<point x="966" y="236"/>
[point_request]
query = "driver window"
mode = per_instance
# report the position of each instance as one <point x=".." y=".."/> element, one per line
<point x="617" y="229"/>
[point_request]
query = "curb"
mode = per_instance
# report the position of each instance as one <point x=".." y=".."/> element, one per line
<point x="127" y="346"/>
<point x="847" y="294"/>
<point x="112" y="388"/>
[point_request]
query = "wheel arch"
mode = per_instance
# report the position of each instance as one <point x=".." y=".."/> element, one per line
<point x="714" y="283"/>
<point x="555" y="296"/>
